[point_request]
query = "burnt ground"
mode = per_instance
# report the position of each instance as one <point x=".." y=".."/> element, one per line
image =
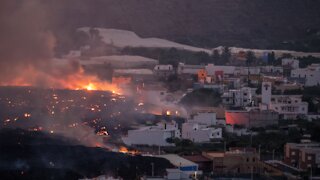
<point x="37" y="155"/>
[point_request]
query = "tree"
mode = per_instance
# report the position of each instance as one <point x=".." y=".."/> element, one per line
<point x="250" y="58"/>
<point x="287" y="55"/>
<point x="215" y="56"/>
<point x="271" y="58"/>
<point x="226" y="54"/>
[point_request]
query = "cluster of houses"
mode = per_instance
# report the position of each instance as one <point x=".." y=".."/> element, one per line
<point x="200" y="128"/>
<point x="250" y="97"/>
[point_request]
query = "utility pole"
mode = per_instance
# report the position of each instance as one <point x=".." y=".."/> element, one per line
<point x="273" y="154"/>
<point x="152" y="170"/>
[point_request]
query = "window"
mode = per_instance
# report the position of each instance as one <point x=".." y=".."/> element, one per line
<point x="247" y="159"/>
<point x="245" y="94"/>
<point x="253" y="159"/>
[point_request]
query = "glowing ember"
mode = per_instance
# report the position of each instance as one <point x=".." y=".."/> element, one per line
<point x="124" y="150"/>
<point x="90" y="87"/>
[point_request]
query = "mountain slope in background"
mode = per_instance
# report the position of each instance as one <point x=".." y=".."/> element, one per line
<point x="285" y="24"/>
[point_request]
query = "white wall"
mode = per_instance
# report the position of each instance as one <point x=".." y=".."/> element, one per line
<point x="266" y="92"/>
<point x="156" y="137"/>
<point x="294" y="63"/>
<point x="196" y="133"/>
<point x="207" y="119"/>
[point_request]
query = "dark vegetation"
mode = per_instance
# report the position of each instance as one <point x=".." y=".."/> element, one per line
<point x="170" y="55"/>
<point x="36" y="155"/>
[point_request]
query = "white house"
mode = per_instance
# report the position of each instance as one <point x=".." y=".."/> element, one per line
<point x="211" y="69"/>
<point x="242" y="70"/>
<point x="183" y="164"/>
<point x="163" y="70"/>
<point x="153" y="135"/>
<point x="271" y="69"/>
<point x="199" y="133"/>
<point x="311" y="74"/>
<point x="239" y="97"/>
<point x="293" y="63"/>
<point x="189" y="69"/>
<point x="288" y="106"/>
<point x="204" y="118"/>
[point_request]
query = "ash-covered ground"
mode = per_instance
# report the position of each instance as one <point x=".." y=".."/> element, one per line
<point x="69" y="134"/>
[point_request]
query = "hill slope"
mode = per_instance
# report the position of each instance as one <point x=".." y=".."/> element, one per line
<point x="285" y="24"/>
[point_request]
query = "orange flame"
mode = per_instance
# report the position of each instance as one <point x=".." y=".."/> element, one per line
<point x="75" y="81"/>
<point x="124" y="150"/>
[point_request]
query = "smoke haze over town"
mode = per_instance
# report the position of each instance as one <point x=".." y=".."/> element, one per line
<point x="145" y="89"/>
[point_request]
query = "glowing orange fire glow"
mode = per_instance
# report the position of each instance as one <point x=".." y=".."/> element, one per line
<point x="124" y="150"/>
<point x="74" y="81"/>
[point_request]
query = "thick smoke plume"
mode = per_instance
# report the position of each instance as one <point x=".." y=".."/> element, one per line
<point x="26" y="41"/>
<point x="27" y="52"/>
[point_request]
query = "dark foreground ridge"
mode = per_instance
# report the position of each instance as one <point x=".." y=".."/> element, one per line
<point x="37" y="155"/>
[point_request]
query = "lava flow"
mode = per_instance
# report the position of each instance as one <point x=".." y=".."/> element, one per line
<point x="74" y="80"/>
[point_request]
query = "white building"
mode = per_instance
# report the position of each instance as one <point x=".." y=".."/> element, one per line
<point x="172" y="174"/>
<point x="204" y="118"/>
<point x="153" y="135"/>
<point x="266" y="93"/>
<point x="242" y="70"/>
<point x="162" y="70"/>
<point x="293" y="63"/>
<point x="288" y="106"/>
<point x="311" y="74"/>
<point x="189" y="69"/>
<point x="200" y="133"/>
<point x="272" y="69"/>
<point x="211" y="69"/>
<point x="183" y="164"/>
<point x="239" y="97"/>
